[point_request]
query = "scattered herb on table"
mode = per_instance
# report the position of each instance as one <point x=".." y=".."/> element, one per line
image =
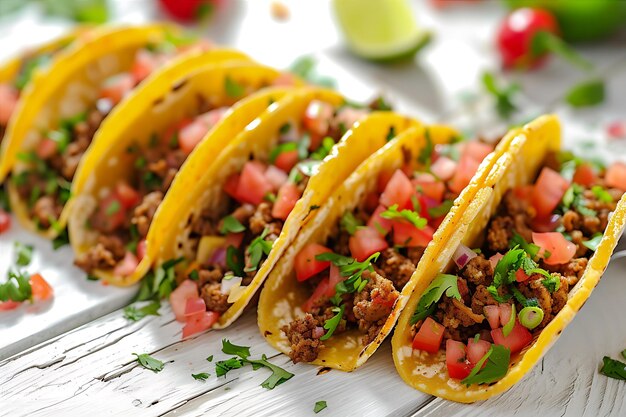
<point x="133" y="313"/>
<point x="24" y="253"/>
<point x="203" y="376"/>
<point x="149" y="362"/>
<point x="614" y="368"/>
<point x="319" y="406"/>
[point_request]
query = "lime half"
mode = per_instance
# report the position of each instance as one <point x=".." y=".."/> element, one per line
<point x="380" y="30"/>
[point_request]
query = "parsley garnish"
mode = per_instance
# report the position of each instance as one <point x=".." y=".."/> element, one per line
<point x="440" y="210"/>
<point x="279" y="375"/>
<point x="24" y="253"/>
<point x="552" y="283"/>
<point x="319" y="406"/>
<point x="504" y="95"/>
<point x="351" y="268"/>
<point x="588" y="93"/>
<point x="497" y="358"/>
<point x="349" y="223"/>
<point x="530" y="248"/>
<point x="331" y="324"/>
<point x="133" y="313"/>
<point x="231" y="225"/>
<point x="203" y="376"/>
<point x="232" y="88"/>
<point x="258" y="247"/>
<point x="444" y="283"/>
<point x="210" y="358"/>
<point x="408" y="215"/>
<point x="614" y="368"/>
<point x="594" y="242"/>
<point x="574" y="200"/>
<point x="149" y="362"/>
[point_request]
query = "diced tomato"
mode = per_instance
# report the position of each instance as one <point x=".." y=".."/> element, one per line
<point x="379" y="223"/>
<point x="320" y="293"/>
<point x="334" y="278"/>
<point x="561" y="250"/>
<point x="524" y="192"/>
<point x="46" y="148"/>
<point x="428" y="185"/>
<point x="116" y="87"/>
<point x="383" y="180"/>
<point x="126" y="266"/>
<point x="585" y="175"/>
<point x="194" y="306"/>
<point x="466" y="169"/>
<point x="366" y="242"/>
<point x="549" y="190"/>
<point x="305" y="263"/>
<point x="406" y="234"/>
<point x="110" y="215"/>
<point x="317" y="117"/>
<point x="495" y="259"/>
<point x="145" y="63"/>
<point x="348" y="116"/>
<point x="286" y="200"/>
<point x="191" y="135"/>
<point x="287" y="160"/>
<point x="547" y="224"/>
<point x="234" y="239"/>
<point x="142" y="249"/>
<point x="492" y="312"/>
<point x="517" y="340"/>
<point x="616" y="176"/>
<point x="200" y="323"/>
<point x="9" y="305"/>
<point x="127" y="195"/>
<point x="429" y="336"/>
<point x="456" y="361"/>
<point x="477" y="150"/>
<point x="40" y="287"/>
<point x="521" y="276"/>
<point x="505" y="313"/>
<point x="443" y="168"/>
<point x="5" y="221"/>
<point x="371" y="202"/>
<point x="285" y="79"/>
<point x="253" y="186"/>
<point x="212" y="117"/>
<point x="276" y="176"/>
<point x="8" y="101"/>
<point x="476" y="350"/>
<point x="231" y="185"/>
<point x="398" y="190"/>
<point x="178" y="298"/>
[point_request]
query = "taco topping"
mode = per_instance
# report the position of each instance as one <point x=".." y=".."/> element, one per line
<point x="44" y="175"/>
<point x="232" y="244"/>
<point x="538" y="244"/>
<point x="356" y="279"/>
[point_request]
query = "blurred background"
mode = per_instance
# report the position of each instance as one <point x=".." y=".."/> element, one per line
<point x="482" y="65"/>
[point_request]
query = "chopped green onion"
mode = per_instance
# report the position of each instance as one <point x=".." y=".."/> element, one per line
<point x="508" y="327"/>
<point x="530" y="317"/>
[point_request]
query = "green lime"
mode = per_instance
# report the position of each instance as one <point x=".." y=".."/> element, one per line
<point x="380" y="30"/>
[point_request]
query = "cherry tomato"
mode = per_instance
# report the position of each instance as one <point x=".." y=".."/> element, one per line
<point x="41" y="289"/>
<point x="515" y="37"/>
<point x="5" y="221"/>
<point x="187" y="10"/>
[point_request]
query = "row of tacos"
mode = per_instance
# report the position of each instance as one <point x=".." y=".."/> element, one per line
<point x="211" y="177"/>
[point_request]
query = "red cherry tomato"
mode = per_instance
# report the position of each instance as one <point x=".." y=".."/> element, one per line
<point x="41" y="289"/>
<point x="187" y="10"/>
<point x="515" y="37"/>
<point x="5" y="221"/>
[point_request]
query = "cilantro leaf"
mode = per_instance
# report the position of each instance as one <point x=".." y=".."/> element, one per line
<point x="613" y="368"/>
<point x="319" y="406"/>
<point x="257" y="248"/>
<point x="203" y="376"/>
<point x="497" y="365"/>
<point x="231" y="225"/>
<point x="232" y="349"/>
<point x="444" y="283"/>
<point x="349" y="223"/>
<point x="504" y="95"/>
<point x="324" y="149"/>
<point x="133" y="313"/>
<point x="223" y="367"/>
<point x="586" y="94"/>
<point x="530" y="248"/>
<point x="407" y="215"/>
<point x="441" y="210"/>
<point x="283" y="147"/>
<point x="426" y="152"/>
<point x="552" y="283"/>
<point x="351" y="268"/>
<point x="331" y="324"/>
<point x="544" y="41"/>
<point x="210" y="358"/>
<point x="278" y="376"/>
<point x="234" y="260"/>
<point x="149" y="362"/>
<point x="160" y="282"/>
<point x="24" y="253"/>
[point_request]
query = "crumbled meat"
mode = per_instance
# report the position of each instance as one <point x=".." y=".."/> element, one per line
<point x="304" y="347"/>
<point x="456" y="313"/>
<point x="559" y="297"/>
<point x="262" y="218"/>
<point x="105" y="254"/>
<point x="209" y="275"/>
<point x="204" y="224"/>
<point x="144" y="212"/>
<point x="481" y="298"/>
<point x="571" y="271"/>
<point x="478" y="271"/>
<point x="514" y="218"/>
<point x="415" y="254"/>
<point x="395" y="267"/>
<point x="373" y="305"/>
<point x="499" y="233"/>
<point x="571" y="220"/>
<point x="46" y="211"/>
<point x="243" y="213"/>
<point x="341" y="245"/>
<point x="214" y="298"/>
<point x="533" y="288"/>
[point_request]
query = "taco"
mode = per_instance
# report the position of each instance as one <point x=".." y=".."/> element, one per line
<point x="524" y="259"/>
<point x="15" y="74"/>
<point x="227" y="234"/>
<point x="140" y="148"/>
<point x="45" y="144"/>
<point x="337" y="291"/>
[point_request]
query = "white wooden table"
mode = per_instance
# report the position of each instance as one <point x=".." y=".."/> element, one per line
<point x="73" y="355"/>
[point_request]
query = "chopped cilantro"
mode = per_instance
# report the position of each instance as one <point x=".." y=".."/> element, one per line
<point x="160" y="282"/>
<point x="497" y="365"/>
<point x="24" y="253"/>
<point x="408" y="215"/>
<point x="530" y="248"/>
<point x="194" y="275"/>
<point x="283" y="147"/>
<point x="223" y="367"/>
<point x="4" y="201"/>
<point x="231" y="225"/>
<point x="573" y="199"/>
<point x="444" y="283"/>
<point x="552" y="283"/>
<point x="203" y="376"/>
<point x="426" y="152"/>
<point x="585" y="94"/>
<point x="113" y="208"/>
<point x="504" y="95"/>
<point x="235" y="260"/>
<point x="349" y="223"/>
<point x="210" y="358"/>
<point x="319" y="406"/>
<point x="613" y="368"/>
<point x="324" y="149"/>
<point x="133" y="313"/>
<point x="391" y="134"/>
<point x="149" y="362"/>
<point x="351" y="268"/>
<point x="440" y="210"/>
<point x="331" y="324"/>
<point x="270" y="197"/>
<point x="303" y="146"/>
<point x="232" y="88"/>
<point x="232" y="349"/>
<point x="258" y="247"/>
<point x="284" y="129"/>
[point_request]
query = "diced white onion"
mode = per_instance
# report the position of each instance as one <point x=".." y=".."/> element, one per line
<point x="463" y="255"/>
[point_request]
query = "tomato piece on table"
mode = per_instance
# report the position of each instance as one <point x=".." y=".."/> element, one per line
<point x="549" y="190"/>
<point x="561" y="250"/>
<point x="585" y="175"/>
<point x="476" y="349"/>
<point x="429" y="336"/>
<point x="5" y="221"/>
<point x="456" y="360"/>
<point x="616" y="176"/>
<point x="253" y="186"/>
<point x="517" y="340"/>
<point x="40" y="287"/>
<point x="305" y="263"/>
<point x="286" y="200"/>
<point x="178" y="298"/>
<point x="366" y="242"/>
<point x="398" y="190"/>
<point x="319" y="294"/>
<point x="9" y="305"/>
